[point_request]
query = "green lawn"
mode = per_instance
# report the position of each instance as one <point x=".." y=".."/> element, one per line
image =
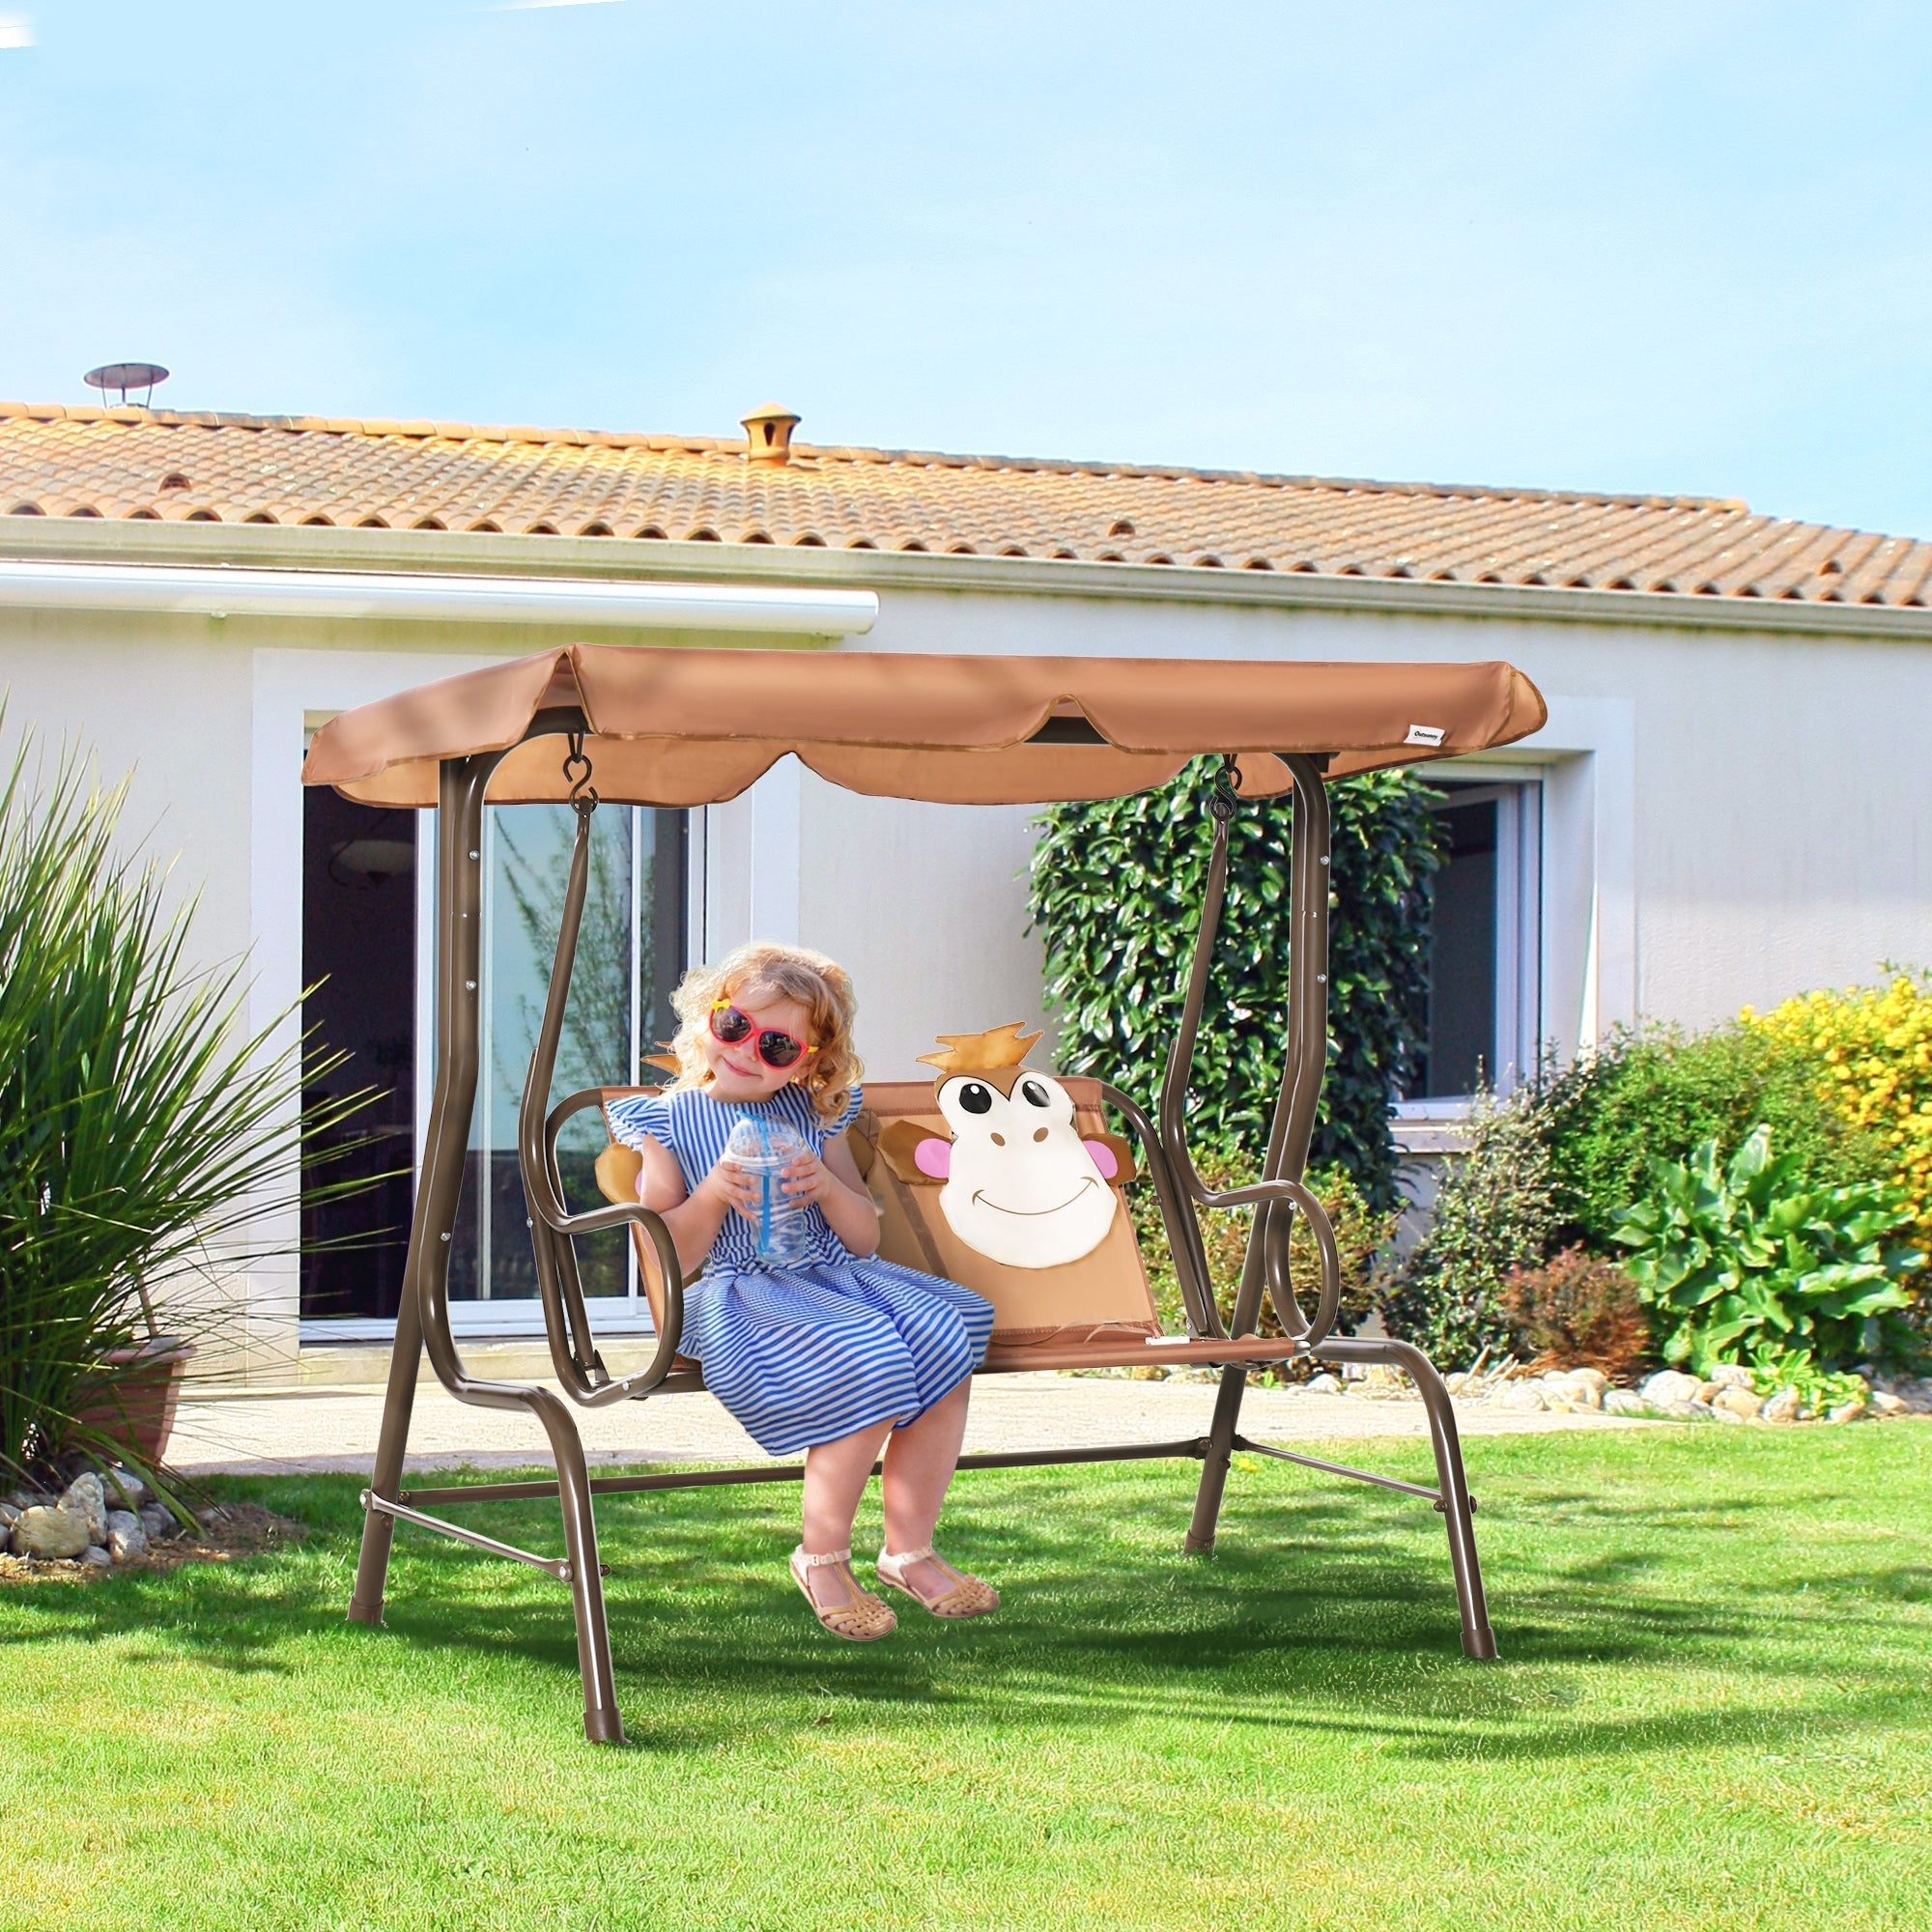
<point x="1713" y="1709"/>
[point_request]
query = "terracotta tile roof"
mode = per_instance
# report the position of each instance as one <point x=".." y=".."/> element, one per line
<point x="133" y="462"/>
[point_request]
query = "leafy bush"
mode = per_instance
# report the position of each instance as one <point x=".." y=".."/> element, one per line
<point x="1745" y="1256"/>
<point x="1774" y="1366"/>
<point x="1115" y="888"/>
<point x="1362" y="1233"/>
<point x="1871" y="1047"/>
<point x="1577" y="1310"/>
<point x="1657" y="1095"/>
<point x="144" y="1127"/>
<point x="1497" y="1211"/>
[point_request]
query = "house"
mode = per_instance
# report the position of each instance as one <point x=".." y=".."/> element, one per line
<point x="1730" y="802"/>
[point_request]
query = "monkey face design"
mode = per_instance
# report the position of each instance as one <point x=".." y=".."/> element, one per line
<point x="1018" y="1181"/>
<point x="1021" y="1186"/>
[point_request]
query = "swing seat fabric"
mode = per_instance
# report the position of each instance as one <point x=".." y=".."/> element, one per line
<point x="670" y="726"/>
<point x="1094" y="1313"/>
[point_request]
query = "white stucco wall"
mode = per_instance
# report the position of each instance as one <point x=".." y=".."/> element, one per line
<point x="1732" y="815"/>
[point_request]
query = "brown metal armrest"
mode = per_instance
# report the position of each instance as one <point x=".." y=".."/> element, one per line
<point x="565" y="1314"/>
<point x="1260" y="1194"/>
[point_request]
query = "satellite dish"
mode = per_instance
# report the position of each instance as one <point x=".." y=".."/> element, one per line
<point x="126" y="376"/>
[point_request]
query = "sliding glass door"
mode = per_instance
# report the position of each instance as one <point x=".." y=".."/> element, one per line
<point x="630" y="955"/>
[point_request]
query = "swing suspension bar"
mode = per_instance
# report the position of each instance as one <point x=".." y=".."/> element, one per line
<point x="553" y="1226"/>
<point x="1279" y="1194"/>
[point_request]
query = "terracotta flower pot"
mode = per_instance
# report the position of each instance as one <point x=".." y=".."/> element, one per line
<point x="136" y="1407"/>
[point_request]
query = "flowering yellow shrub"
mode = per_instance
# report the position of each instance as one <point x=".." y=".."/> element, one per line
<point x="1874" y="1049"/>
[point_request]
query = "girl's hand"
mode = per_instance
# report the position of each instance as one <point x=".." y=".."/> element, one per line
<point x="731" y="1187"/>
<point x="808" y="1179"/>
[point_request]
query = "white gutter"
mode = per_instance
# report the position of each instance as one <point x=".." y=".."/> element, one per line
<point x="440" y="557"/>
<point x="224" y="590"/>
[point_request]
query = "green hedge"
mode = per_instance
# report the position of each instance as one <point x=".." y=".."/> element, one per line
<point x="1657" y="1094"/>
<point x="1116" y="889"/>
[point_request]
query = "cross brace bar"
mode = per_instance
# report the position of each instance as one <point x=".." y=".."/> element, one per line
<point x="551" y="1566"/>
<point x="1195" y="1446"/>
<point x="1343" y="1469"/>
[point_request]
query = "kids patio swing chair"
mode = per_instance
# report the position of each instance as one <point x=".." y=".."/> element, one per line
<point x="666" y="727"/>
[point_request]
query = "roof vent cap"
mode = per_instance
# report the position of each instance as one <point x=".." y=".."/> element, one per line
<point x="127" y="376"/>
<point x="768" y="433"/>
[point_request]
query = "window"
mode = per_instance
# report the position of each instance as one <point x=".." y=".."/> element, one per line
<point x="1482" y="1010"/>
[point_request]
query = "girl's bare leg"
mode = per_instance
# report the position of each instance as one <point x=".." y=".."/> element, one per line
<point x="919" y="1463"/>
<point x="836" y="1474"/>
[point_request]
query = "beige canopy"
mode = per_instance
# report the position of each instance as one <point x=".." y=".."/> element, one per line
<point x="687" y="726"/>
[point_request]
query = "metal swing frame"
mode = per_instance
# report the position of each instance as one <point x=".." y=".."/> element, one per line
<point x="423" y="1320"/>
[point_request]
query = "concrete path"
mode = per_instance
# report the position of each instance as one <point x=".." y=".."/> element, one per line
<point x="310" y="1431"/>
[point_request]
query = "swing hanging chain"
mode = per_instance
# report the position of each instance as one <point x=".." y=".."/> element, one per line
<point x="577" y="774"/>
<point x="1225" y="800"/>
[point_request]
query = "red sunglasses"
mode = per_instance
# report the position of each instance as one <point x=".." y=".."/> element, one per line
<point x="731" y="1026"/>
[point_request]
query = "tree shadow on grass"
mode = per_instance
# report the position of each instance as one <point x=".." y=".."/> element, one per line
<point x="1325" y="1611"/>
<point x="229" y="1623"/>
<point x="1318" y="1614"/>
<point x="1754" y="1724"/>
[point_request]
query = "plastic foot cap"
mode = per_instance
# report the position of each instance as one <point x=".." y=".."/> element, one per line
<point x="1479" y="1646"/>
<point x="365" y="1613"/>
<point x="604" y="1727"/>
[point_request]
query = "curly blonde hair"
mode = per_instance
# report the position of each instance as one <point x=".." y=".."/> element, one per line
<point x="820" y="985"/>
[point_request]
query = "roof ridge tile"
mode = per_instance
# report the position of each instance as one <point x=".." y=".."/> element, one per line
<point x="83" y="459"/>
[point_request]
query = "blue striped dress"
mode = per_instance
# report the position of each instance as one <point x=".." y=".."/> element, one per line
<point x="805" y="1352"/>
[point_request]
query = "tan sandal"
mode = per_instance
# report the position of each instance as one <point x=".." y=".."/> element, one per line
<point x="964" y="1596"/>
<point x="862" y="1618"/>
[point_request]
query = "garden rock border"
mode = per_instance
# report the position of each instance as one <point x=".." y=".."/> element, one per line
<point x="226" y="1531"/>
<point x="101" y="1518"/>
<point x="1669" y="1395"/>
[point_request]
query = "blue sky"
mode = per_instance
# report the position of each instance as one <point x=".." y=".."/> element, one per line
<point x="1673" y="247"/>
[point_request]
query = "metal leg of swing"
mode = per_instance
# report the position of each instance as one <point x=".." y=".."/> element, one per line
<point x="603" y="1724"/>
<point x="1214" y="1462"/>
<point x="372" y="1566"/>
<point x="1479" y="1640"/>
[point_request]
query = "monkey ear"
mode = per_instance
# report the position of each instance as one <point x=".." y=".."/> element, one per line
<point x="916" y="1154"/>
<point x="1120" y="1152"/>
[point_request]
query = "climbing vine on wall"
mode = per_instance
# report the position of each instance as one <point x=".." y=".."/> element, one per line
<point x="1116" y="889"/>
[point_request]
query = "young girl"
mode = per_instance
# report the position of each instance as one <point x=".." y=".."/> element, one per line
<point x="839" y="1353"/>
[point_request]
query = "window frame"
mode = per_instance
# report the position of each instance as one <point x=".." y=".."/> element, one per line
<point x="1517" y="792"/>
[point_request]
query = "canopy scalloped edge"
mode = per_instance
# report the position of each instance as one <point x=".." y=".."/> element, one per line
<point x="686" y="727"/>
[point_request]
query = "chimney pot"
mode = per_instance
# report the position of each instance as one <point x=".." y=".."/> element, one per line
<point x="768" y="433"/>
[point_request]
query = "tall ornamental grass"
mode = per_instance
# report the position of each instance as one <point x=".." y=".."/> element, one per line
<point x="150" y="1137"/>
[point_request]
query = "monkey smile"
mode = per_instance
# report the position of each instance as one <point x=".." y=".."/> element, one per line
<point x="1033" y="1213"/>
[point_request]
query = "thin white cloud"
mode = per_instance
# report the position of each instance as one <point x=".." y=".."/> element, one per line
<point x="531" y="6"/>
<point x="16" y="30"/>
